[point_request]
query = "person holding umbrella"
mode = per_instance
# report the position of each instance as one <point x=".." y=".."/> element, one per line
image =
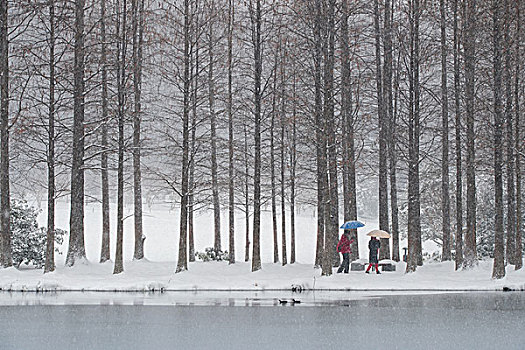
<point x="373" y="248"/>
<point x="344" y="245"/>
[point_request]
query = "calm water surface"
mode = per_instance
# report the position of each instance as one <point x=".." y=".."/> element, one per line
<point x="334" y="320"/>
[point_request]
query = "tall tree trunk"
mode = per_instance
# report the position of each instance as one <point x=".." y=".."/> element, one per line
<point x="511" y="192"/>
<point x="459" y="171"/>
<point x="349" y="185"/>
<point x="272" y="164"/>
<point x="319" y="134"/>
<point x="417" y="133"/>
<point x="194" y="71"/>
<point x="499" y="263"/>
<point x="332" y="223"/>
<point x="293" y="167"/>
<point x="5" y="206"/>
<point x="384" y="251"/>
<point x="182" y="263"/>
<point x="50" y="240"/>
<point x="470" y="257"/>
<point x="445" y="199"/>
<point x="257" y="45"/>
<point x="76" y="250"/>
<point x="247" y="196"/>
<point x="392" y="156"/>
<point x="105" y="254"/>
<point x="517" y="140"/>
<point x="138" y="24"/>
<point x="231" y="184"/>
<point x="283" y="168"/>
<point x="387" y="121"/>
<point x="414" y="220"/>
<point x="121" y="87"/>
<point x="213" y="129"/>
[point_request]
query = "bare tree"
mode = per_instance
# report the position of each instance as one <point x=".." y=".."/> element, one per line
<point x="283" y="54"/>
<point x="293" y="168"/>
<point x="470" y="257"/>
<point x="414" y="218"/>
<point x="50" y="240"/>
<point x="391" y="128"/>
<point x="458" y="132"/>
<point x="76" y="250"/>
<point x="518" y="137"/>
<point x="231" y="183"/>
<point x="213" y="130"/>
<point x="272" y="162"/>
<point x="5" y="206"/>
<point x="499" y="263"/>
<point x="445" y="199"/>
<point x="105" y="254"/>
<point x="121" y="32"/>
<point x="137" y="33"/>
<point x="347" y="117"/>
<point x="256" y="21"/>
<point x="510" y="178"/>
<point x="384" y="252"/>
<point x="182" y="263"/>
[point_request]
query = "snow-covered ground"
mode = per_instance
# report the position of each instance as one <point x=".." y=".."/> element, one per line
<point x="161" y="246"/>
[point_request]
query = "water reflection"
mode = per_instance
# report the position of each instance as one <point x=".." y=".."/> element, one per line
<point x="281" y="298"/>
<point x="325" y="320"/>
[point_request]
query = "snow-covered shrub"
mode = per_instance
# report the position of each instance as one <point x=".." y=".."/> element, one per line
<point x="211" y="255"/>
<point x="27" y="239"/>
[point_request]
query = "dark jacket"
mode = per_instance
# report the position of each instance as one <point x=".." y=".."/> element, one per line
<point x="373" y="247"/>
<point x="344" y="244"/>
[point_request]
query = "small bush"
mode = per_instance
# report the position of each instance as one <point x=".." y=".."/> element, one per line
<point x="210" y="254"/>
<point x="27" y="239"/>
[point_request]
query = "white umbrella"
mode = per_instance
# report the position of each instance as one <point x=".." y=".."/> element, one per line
<point x="378" y="233"/>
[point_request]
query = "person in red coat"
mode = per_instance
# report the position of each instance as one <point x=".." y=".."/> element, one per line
<point x="343" y="247"/>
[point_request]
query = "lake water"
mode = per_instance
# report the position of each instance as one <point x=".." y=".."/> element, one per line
<point x="335" y="320"/>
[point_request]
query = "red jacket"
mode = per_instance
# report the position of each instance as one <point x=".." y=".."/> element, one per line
<point x="344" y="244"/>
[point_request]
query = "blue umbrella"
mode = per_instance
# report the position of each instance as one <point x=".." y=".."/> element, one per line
<point x="352" y="225"/>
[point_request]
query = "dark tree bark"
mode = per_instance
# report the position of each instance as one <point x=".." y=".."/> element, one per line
<point x="499" y="258"/>
<point x="392" y="156"/>
<point x="121" y="91"/>
<point x="138" y="25"/>
<point x="231" y="184"/>
<point x="458" y="130"/>
<point x="445" y="198"/>
<point x="332" y="219"/>
<point x="256" y="21"/>
<point x="349" y="185"/>
<point x="76" y="250"/>
<point x="470" y="254"/>
<point x="320" y="162"/>
<point x="213" y="131"/>
<point x="293" y="167"/>
<point x="511" y="192"/>
<point x="518" y="145"/>
<point x="5" y="206"/>
<point x="105" y="249"/>
<point x="390" y="124"/>
<point x="272" y="164"/>
<point x="247" y="196"/>
<point x="414" y="219"/>
<point x="416" y="213"/>
<point x="194" y="71"/>
<point x="283" y="62"/>
<point x="182" y="263"/>
<point x="50" y="239"/>
<point x="384" y="252"/>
